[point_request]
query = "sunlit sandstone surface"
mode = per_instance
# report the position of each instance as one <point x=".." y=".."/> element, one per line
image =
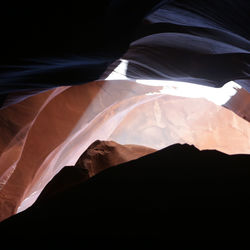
<point x="45" y="132"/>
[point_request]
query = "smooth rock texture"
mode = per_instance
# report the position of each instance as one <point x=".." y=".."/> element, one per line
<point x="48" y="131"/>
<point x="45" y="126"/>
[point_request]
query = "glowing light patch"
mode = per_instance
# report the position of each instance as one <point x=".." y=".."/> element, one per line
<point x="219" y="96"/>
<point x="119" y="73"/>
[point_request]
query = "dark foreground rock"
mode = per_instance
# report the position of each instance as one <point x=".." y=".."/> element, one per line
<point x="99" y="156"/>
<point x="178" y="193"/>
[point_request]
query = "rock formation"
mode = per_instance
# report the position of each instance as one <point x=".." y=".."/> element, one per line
<point x="178" y="193"/>
<point x="99" y="156"/>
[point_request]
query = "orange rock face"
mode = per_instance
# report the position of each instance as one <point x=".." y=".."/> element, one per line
<point x="45" y="132"/>
<point x="104" y="154"/>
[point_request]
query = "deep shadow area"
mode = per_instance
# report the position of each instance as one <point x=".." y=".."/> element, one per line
<point x="45" y="45"/>
<point x="48" y="45"/>
<point x="178" y="193"/>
